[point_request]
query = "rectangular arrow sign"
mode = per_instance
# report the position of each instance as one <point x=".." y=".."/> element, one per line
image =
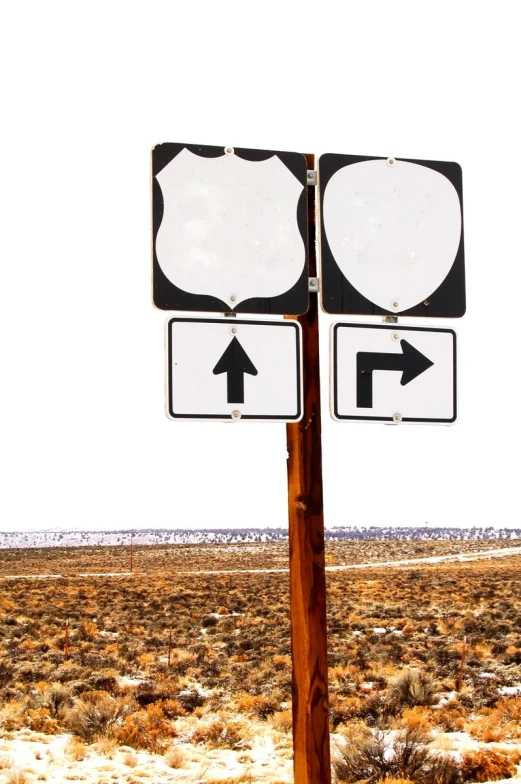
<point x="230" y="370"/>
<point x="392" y="373"/>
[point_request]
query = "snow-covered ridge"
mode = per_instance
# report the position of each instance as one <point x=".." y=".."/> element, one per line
<point x="161" y="536"/>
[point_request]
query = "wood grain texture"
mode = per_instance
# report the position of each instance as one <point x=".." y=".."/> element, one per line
<point x="307" y="563"/>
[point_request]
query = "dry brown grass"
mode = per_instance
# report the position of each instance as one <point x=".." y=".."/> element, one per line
<point x="119" y="628"/>
<point x="175" y="758"/>
<point x="179" y="558"/>
<point x="17" y="777"/>
<point x="77" y="750"/>
<point x="130" y="759"/>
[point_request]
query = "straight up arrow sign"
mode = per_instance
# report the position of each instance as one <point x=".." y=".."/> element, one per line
<point x="235" y="362"/>
<point x="411" y="363"/>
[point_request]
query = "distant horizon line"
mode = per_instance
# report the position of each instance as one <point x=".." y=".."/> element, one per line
<point x="425" y="526"/>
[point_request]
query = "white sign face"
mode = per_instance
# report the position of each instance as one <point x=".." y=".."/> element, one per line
<point x="394" y="229"/>
<point x="393" y="374"/>
<point x="229" y="228"/>
<point x="229" y="369"/>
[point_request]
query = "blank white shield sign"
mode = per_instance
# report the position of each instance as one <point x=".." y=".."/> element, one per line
<point x="394" y="229"/>
<point x="230" y="227"/>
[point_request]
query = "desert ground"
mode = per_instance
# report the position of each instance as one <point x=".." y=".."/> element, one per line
<point x="177" y="667"/>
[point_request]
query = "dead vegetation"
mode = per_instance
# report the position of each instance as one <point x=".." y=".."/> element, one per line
<point x="166" y="558"/>
<point x="151" y="662"/>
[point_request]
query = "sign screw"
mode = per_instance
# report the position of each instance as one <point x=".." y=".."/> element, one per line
<point x="233" y="330"/>
<point x="396" y="336"/>
<point x="391" y="161"/>
<point x="229" y="150"/>
<point x="397" y="418"/>
<point x="233" y="297"/>
<point x="395" y="304"/>
<point x="236" y="415"/>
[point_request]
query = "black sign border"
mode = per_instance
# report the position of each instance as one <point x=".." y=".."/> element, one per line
<point x="399" y="328"/>
<point x="234" y="322"/>
<point x="167" y="296"/>
<point x="340" y="297"/>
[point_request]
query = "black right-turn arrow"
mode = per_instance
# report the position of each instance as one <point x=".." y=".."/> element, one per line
<point x="411" y="362"/>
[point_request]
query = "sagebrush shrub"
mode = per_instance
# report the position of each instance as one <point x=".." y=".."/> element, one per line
<point x="56" y="699"/>
<point x="374" y="756"/>
<point x="6" y="672"/>
<point x="283" y="720"/>
<point x="487" y="765"/>
<point x="451" y="717"/>
<point x="40" y="720"/>
<point x="414" y="688"/>
<point x="219" y="733"/>
<point x="146" y="729"/>
<point x="257" y="705"/>
<point x="97" y="714"/>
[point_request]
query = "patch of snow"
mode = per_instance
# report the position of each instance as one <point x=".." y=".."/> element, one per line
<point x="510" y="690"/>
<point x="32" y="577"/>
<point x="126" y="680"/>
<point x="106" y="574"/>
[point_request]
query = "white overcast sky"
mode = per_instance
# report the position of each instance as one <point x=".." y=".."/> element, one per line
<point x="88" y="89"/>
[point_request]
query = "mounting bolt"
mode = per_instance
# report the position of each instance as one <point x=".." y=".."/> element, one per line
<point x="397" y="418"/>
<point x="395" y="304"/>
<point x="311" y="177"/>
<point x="236" y="415"/>
<point x="395" y="336"/>
<point x="233" y="297"/>
<point x="229" y="150"/>
<point x="391" y="161"/>
<point x="233" y="330"/>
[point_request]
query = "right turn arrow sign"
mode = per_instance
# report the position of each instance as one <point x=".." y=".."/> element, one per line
<point x="418" y="382"/>
<point x="411" y="363"/>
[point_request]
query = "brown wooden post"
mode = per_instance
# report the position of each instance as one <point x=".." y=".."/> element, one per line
<point x="312" y="763"/>
<point x="459" y="682"/>
<point x="67" y="641"/>
<point x="131" y="554"/>
<point x="170" y="645"/>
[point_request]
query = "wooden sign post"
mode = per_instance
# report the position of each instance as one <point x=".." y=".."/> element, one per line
<point x="312" y="763"/>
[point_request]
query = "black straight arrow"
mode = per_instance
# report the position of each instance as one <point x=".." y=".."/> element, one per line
<point x="235" y="362"/>
<point x="411" y="363"/>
